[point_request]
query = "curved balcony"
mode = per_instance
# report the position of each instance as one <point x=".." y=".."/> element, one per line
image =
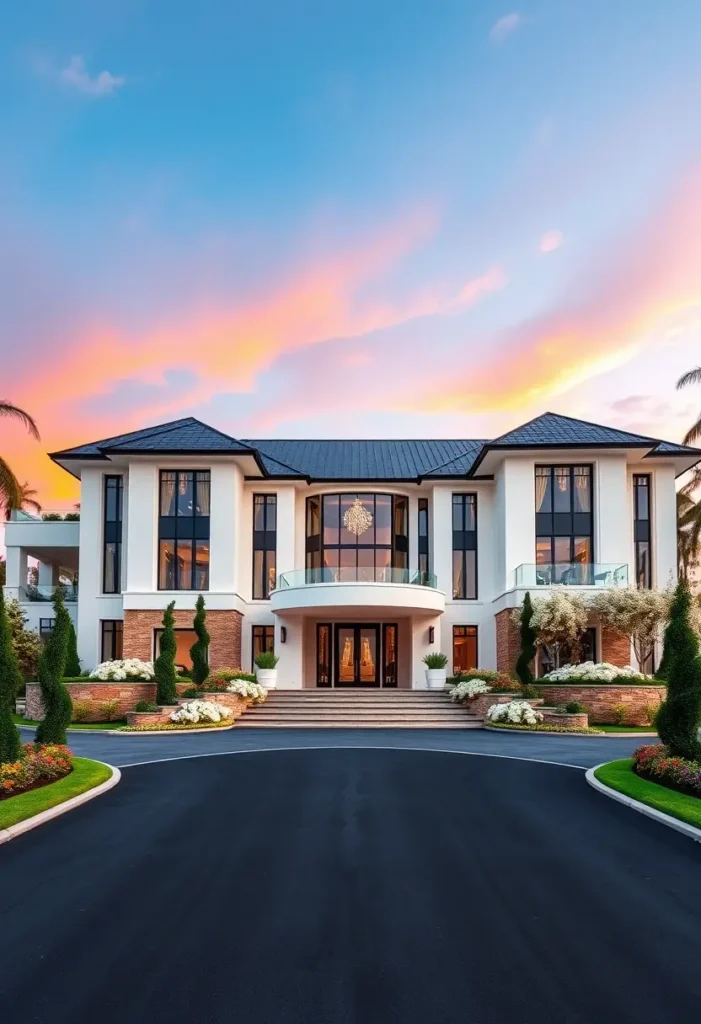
<point x="312" y="590"/>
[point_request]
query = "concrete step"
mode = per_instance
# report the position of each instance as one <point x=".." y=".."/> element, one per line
<point x="246" y="722"/>
<point x="396" y="716"/>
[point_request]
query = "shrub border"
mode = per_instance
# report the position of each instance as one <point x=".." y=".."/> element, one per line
<point x="562" y="730"/>
<point x="12" y="831"/>
<point x="691" y="831"/>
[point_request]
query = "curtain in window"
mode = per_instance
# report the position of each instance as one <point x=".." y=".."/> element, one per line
<point x="581" y="491"/>
<point x="167" y="493"/>
<point x="541" y="488"/>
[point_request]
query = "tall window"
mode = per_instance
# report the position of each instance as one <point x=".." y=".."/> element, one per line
<point x="264" y="545"/>
<point x="112" y="535"/>
<point x="464" y="648"/>
<point x="587" y="652"/>
<point x="263" y="640"/>
<point x="641" y="530"/>
<point x="46" y="628"/>
<point x="335" y="552"/>
<point x="183" y="530"/>
<point x="465" y="546"/>
<point x="111" y="640"/>
<point x="564" y="524"/>
<point x="423" y="535"/>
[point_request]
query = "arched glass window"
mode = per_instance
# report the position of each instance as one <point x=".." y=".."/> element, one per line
<point x="356" y="536"/>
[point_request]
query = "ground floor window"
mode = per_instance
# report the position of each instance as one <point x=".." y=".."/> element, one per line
<point x="184" y="639"/>
<point x="464" y="648"/>
<point x="45" y="628"/>
<point x="587" y="652"/>
<point x="263" y="640"/>
<point x="111" y="639"/>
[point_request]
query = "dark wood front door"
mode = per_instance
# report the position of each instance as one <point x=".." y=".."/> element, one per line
<point x="357" y="655"/>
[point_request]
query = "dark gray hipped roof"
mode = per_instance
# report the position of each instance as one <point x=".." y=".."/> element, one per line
<point x="369" y="459"/>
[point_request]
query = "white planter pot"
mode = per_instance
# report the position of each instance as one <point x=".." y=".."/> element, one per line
<point x="435" y="678"/>
<point x="267" y="677"/>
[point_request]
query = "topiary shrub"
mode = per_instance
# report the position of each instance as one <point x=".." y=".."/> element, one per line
<point x="58" y="707"/>
<point x="72" y="660"/>
<point x="198" y="651"/>
<point x="164" y="666"/>
<point x="10" y="681"/>
<point x="679" y="716"/>
<point x="574" y="708"/>
<point x="146" y="705"/>
<point x="528" y="643"/>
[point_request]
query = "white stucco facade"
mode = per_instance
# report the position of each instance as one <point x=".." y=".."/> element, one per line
<point x="402" y="610"/>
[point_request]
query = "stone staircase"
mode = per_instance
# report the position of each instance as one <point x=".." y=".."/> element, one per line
<point x="357" y="709"/>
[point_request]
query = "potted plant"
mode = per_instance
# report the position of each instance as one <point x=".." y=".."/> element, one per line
<point x="266" y="672"/>
<point x="435" y="670"/>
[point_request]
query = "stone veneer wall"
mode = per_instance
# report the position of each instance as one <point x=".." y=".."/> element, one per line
<point x="614" y="648"/>
<point x="601" y="700"/>
<point x="126" y="694"/>
<point x="224" y="628"/>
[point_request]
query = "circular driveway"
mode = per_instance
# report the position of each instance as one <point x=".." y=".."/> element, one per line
<point x="348" y="885"/>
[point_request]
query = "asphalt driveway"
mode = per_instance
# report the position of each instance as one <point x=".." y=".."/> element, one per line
<point x="350" y="885"/>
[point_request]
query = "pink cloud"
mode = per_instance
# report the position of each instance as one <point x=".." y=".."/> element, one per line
<point x="551" y="241"/>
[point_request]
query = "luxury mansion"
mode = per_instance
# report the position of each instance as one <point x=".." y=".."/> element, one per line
<point x="351" y="560"/>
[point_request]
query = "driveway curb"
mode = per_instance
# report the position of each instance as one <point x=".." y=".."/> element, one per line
<point x="651" y="812"/>
<point x="68" y="805"/>
<point x="546" y="732"/>
<point x="167" y="732"/>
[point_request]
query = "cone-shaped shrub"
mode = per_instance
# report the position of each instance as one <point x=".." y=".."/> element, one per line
<point x="679" y="716"/>
<point x="528" y="643"/>
<point x="10" y="681"/>
<point x="72" y="659"/>
<point x="58" y="706"/>
<point x="198" y="651"/>
<point x="164" y="666"/>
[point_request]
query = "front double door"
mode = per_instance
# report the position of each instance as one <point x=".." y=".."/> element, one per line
<point x="357" y="655"/>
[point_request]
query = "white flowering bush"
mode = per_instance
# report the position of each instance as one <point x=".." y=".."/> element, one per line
<point x="594" y="672"/>
<point x="124" y="668"/>
<point x="517" y="712"/>
<point x="468" y="689"/>
<point x="200" y="711"/>
<point x="248" y="690"/>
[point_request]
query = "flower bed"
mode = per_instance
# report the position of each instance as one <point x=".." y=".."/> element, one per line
<point x="467" y="689"/>
<point x="124" y="668"/>
<point x="597" y="672"/>
<point x="195" y="712"/>
<point x="36" y="766"/>
<point x="545" y="727"/>
<point x="653" y="762"/>
<point x="516" y="712"/>
<point x="161" y="726"/>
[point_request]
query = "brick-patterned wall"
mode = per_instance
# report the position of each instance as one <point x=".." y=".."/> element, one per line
<point x="615" y="648"/>
<point x="127" y="696"/>
<point x="224" y="628"/>
<point x="601" y="700"/>
<point x="576" y="721"/>
<point x="508" y="641"/>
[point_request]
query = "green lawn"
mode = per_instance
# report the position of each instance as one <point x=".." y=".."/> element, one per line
<point x="86" y="775"/>
<point x="619" y="775"/>
<point x="76" y="725"/>
<point x="626" y="728"/>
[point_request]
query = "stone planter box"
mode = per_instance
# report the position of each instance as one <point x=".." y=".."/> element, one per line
<point x="149" y="717"/>
<point x="97" y="693"/>
<point x="600" y="700"/>
<point x="577" y="721"/>
<point x="479" y="705"/>
<point x="230" y="700"/>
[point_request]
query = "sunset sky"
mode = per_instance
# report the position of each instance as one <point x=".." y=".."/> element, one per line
<point x="394" y="218"/>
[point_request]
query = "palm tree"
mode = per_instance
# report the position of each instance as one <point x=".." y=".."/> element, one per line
<point x="28" y="498"/>
<point x="688" y="532"/>
<point x="691" y="377"/>
<point x="10" y="487"/>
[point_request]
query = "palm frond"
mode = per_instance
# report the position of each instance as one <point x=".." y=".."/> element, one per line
<point x="693" y="433"/>
<point x="10" y="487"/>
<point x="8" y="409"/>
<point x="690" y="377"/>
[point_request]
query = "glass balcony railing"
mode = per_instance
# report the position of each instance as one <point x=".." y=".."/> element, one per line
<point x="572" y="574"/>
<point x="44" y="592"/>
<point x="308" y="577"/>
<point x="18" y="515"/>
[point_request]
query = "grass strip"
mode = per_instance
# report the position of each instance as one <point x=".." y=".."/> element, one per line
<point x="19" y="720"/>
<point x="619" y="775"/>
<point x="86" y="775"/>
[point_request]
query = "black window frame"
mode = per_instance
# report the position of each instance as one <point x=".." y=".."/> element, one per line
<point x="572" y="525"/>
<point x="46" y="631"/>
<point x="642" y="528"/>
<point x="423" y="535"/>
<point x="463" y="541"/>
<point x="591" y="632"/>
<point x="475" y="632"/>
<point x="116" y="640"/>
<point x="264" y="541"/>
<point x="267" y="633"/>
<point x="315" y="545"/>
<point x="179" y="529"/>
<point x="112" y="530"/>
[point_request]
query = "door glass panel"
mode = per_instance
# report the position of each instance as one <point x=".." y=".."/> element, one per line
<point x="323" y="655"/>
<point x="389" y="657"/>
<point x="346" y="654"/>
<point x="368" y="655"/>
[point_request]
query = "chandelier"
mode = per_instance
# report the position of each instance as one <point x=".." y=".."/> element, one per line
<point x="357" y="519"/>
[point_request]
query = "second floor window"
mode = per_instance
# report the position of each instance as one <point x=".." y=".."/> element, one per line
<point x="641" y="528"/>
<point x="112" y="535"/>
<point x="183" y="530"/>
<point x="423" y="535"/>
<point x="564" y="524"/>
<point x="264" y="545"/>
<point x="465" y="546"/>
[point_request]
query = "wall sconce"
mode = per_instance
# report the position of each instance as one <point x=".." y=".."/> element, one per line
<point x="283" y="634"/>
<point x="431" y="634"/>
